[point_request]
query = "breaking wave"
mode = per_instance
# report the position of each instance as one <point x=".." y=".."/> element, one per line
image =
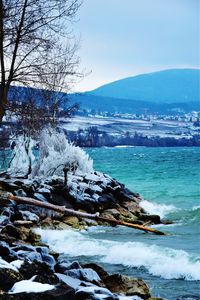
<point x="158" y="261"/>
<point x="157" y="209"/>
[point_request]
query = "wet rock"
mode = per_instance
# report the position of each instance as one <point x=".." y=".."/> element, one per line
<point x="61" y="292"/>
<point x="39" y="197"/>
<point x="11" y="231"/>
<point x="94" y="293"/>
<point x="99" y="270"/>
<point x="29" y="216"/>
<point x="84" y="274"/>
<point x="155" y="219"/>
<point x="126" y="285"/>
<point x="6" y="252"/>
<point x="70" y="220"/>
<point x="49" y="279"/>
<point x="29" y="269"/>
<point x="8" y="277"/>
<point x="63" y="266"/>
<point x="20" y="193"/>
<point x="4" y="220"/>
<point x="112" y="211"/>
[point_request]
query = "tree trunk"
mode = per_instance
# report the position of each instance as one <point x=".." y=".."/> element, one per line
<point x="3" y="101"/>
<point x="71" y="212"/>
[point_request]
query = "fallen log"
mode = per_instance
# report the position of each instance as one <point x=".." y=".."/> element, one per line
<point x="71" y="212"/>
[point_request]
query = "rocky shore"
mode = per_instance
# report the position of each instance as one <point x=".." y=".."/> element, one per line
<point x="28" y="266"/>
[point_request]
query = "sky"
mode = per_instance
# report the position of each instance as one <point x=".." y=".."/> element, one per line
<point x="122" y="38"/>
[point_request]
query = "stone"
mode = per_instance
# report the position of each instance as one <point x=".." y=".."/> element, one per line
<point x="20" y="193"/>
<point x="6" y="252"/>
<point x="8" y="277"/>
<point x="29" y="216"/>
<point x="70" y="220"/>
<point x="61" y="292"/>
<point x="29" y="269"/>
<point x="39" y="197"/>
<point x="99" y="270"/>
<point x="63" y="266"/>
<point x="4" y="220"/>
<point x="83" y="274"/>
<point x="117" y="283"/>
<point x="155" y="219"/>
<point x="94" y="293"/>
<point x="112" y="211"/>
<point x="11" y="231"/>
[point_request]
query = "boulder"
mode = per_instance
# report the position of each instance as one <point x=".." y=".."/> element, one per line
<point x="8" y="277"/>
<point x="120" y="284"/>
<point x="6" y="252"/>
<point x="62" y="292"/>
<point x="29" y="269"/>
<point x="70" y="220"/>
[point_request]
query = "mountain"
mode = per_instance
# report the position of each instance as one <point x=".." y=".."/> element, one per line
<point x="169" y="86"/>
<point x="164" y="92"/>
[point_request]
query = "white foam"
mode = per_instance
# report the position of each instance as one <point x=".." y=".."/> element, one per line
<point x="159" y="261"/>
<point x="196" y="207"/>
<point x="157" y="209"/>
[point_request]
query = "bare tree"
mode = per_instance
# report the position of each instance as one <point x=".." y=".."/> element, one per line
<point x="62" y="70"/>
<point x="29" y="30"/>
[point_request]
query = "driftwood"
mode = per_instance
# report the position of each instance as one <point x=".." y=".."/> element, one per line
<point x="71" y="212"/>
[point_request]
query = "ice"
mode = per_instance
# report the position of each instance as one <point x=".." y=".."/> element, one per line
<point x="56" y="152"/>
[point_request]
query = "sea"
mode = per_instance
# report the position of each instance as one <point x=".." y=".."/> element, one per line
<point x="168" y="179"/>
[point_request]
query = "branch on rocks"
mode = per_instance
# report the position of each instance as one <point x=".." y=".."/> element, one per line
<point x="71" y="212"/>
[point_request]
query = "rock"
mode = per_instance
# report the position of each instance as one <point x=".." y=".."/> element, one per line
<point x="4" y="220"/>
<point x="8" y="277"/>
<point x="108" y="201"/>
<point x="117" y="283"/>
<point x="107" y="215"/>
<point x="99" y="270"/>
<point x="94" y="293"/>
<point x="132" y="207"/>
<point x="70" y="220"/>
<point x="39" y="197"/>
<point x="29" y="216"/>
<point x="62" y="292"/>
<point x="63" y="266"/>
<point x="6" y="252"/>
<point x="29" y="269"/>
<point x="112" y="211"/>
<point x="50" y="279"/>
<point x="155" y="219"/>
<point x="83" y="274"/>
<point x="11" y="231"/>
<point x="20" y="193"/>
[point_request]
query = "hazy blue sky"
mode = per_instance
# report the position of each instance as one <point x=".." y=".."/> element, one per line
<point x="121" y="38"/>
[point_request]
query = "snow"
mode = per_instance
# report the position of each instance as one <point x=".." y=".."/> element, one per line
<point x="5" y="265"/>
<point x="17" y="263"/>
<point x="30" y="286"/>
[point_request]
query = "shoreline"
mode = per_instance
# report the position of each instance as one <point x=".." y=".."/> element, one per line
<point x="23" y="219"/>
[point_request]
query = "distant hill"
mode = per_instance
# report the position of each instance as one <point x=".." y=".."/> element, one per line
<point x="164" y="92"/>
<point x="169" y="86"/>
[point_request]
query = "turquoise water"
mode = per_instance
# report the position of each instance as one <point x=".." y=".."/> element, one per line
<point x="169" y="178"/>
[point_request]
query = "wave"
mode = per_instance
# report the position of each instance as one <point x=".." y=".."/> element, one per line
<point x="157" y="209"/>
<point x="158" y="261"/>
